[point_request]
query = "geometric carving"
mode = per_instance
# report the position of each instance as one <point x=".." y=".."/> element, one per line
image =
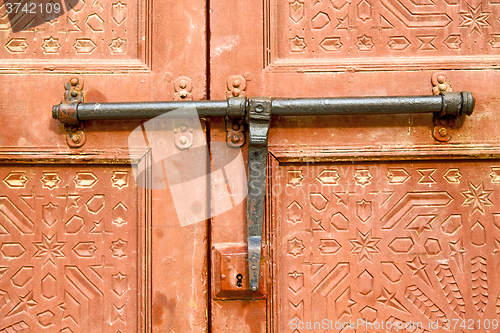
<point x="365" y="283"/>
<point x="17" y="45"/>
<point x="74" y="225"/>
<point x="11" y="212"/>
<point x="479" y="283"/>
<point x="365" y="43"/>
<point x="50" y="180"/>
<point x="389" y="299"/>
<point x="398" y="43"/>
<point x="119" y="12"/>
<point x="320" y="21"/>
<point x="297" y="44"/>
<point x="49" y="214"/>
<point x="120" y="214"/>
<point x="95" y="204"/>
<point x="432" y="246"/>
<point x="475" y="19"/>
<point x="426" y="306"/>
<point x="16" y="179"/>
<point x="426" y="43"/>
<point x="328" y="177"/>
<point x="4" y="298"/>
<point x="295" y="247"/>
<point x="496" y="220"/>
<point x="119" y="179"/>
<point x="338" y="4"/>
<point x="421" y="223"/>
<point x="477" y="197"/>
<point x="418" y="268"/>
<point x="391" y="271"/>
<point x="453" y="176"/>
<point x="71" y="308"/>
<point x="84" y="45"/>
<point x="297" y="310"/>
<point x="457" y="251"/>
<point x="294" y="213"/>
<point x="12" y="250"/>
<point x="119" y="313"/>
<point x="332" y="279"/>
<point x="450" y="289"/>
<point x="426" y="176"/>
<point x="49" y="249"/>
<point x="295" y="178"/>
<point x="318" y="201"/>
<point x="365" y="245"/>
<point x="478" y="234"/>
<point x="85" y="179"/>
<point x="364" y="10"/>
<point x="296" y="11"/>
<point x="46" y="318"/>
<point x="451" y="224"/>
<point x="26" y="302"/>
<point x="363" y="176"/>
<point x="23" y="276"/>
<point x="95" y="22"/>
<point x="49" y="286"/>
<point x="51" y="45"/>
<point x="329" y="246"/>
<point x="81" y="282"/>
<point x="330" y="44"/>
<point x="411" y="200"/>
<point x="120" y="284"/>
<point x="495" y="174"/>
<point x="368" y="314"/>
<point x="85" y="249"/>
<point x="118" y="248"/>
<point x="344" y="303"/>
<point x="401" y="244"/>
<point x="296" y="281"/>
<point x="364" y="210"/>
<point x="398" y="175"/>
<point x="118" y="45"/>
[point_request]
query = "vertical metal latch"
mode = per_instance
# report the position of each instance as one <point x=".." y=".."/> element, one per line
<point x="258" y="119"/>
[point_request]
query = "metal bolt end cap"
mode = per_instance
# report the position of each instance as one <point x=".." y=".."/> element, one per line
<point x="55" y="112"/>
<point x="468" y="103"/>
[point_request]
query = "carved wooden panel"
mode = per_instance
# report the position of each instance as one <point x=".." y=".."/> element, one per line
<point x="69" y="254"/>
<point x="385" y="34"/>
<point x="99" y="35"/>
<point x="393" y="242"/>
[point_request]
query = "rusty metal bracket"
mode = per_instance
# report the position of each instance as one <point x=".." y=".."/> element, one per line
<point x="235" y="121"/>
<point x="183" y="86"/>
<point x="259" y="119"/>
<point x="67" y="110"/>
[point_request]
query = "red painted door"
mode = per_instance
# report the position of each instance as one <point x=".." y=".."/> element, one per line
<point x="82" y="247"/>
<point x="370" y="219"/>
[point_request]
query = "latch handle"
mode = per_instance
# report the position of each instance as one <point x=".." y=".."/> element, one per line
<point x="259" y="118"/>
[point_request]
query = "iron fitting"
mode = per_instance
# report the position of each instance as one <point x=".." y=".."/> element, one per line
<point x="66" y="112"/>
<point x="457" y="103"/>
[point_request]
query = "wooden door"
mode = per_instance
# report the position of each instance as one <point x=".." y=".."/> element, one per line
<point x="369" y="219"/>
<point x="82" y="247"/>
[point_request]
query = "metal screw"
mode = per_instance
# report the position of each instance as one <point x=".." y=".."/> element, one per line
<point x="236" y="127"/>
<point x="74" y="81"/>
<point x="74" y="93"/>
<point x="442" y="87"/>
<point x="259" y="108"/>
<point x="183" y="94"/>
<point x="236" y="92"/>
<point x="236" y="83"/>
<point x="235" y="138"/>
<point x="441" y="79"/>
<point x="443" y="131"/>
<point x="254" y="288"/>
<point x="183" y="140"/>
<point x="183" y="84"/>
<point x="184" y="128"/>
<point x="76" y="138"/>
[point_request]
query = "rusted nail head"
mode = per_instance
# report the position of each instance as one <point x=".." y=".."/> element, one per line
<point x="74" y="93"/>
<point x="184" y="128"/>
<point x="235" y="138"/>
<point x="236" y="92"/>
<point x="236" y="127"/>
<point x="443" y="132"/>
<point x="76" y="138"/>
<point x="183" y="94"/>
<point x="259" y="108"/>
<point x="183" y="84"/>
<point x="254" y="288"/>
<point x="74" y="81"/>
<point x="236" y="83"/>
<point x="441" y="79"/>
<point x="442" y="87"/>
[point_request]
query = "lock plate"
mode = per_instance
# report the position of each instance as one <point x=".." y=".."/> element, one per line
<point x="230" y="275"/>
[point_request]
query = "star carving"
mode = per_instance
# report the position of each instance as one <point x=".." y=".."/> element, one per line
<point x="389" y="299"/>
<point x="295" y="247"/>
<point x="418" y="268"/>
<point x="118" y="248"/>
<point x="49" y="249"/>
<point x="477" y="197"/>
<point x="475" y="19"/>
<point x="457" y="251"/>
<point x="365" y="245"/>
<point x="26" y="302"/>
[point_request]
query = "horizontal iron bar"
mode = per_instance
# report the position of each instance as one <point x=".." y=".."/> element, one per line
<point x="455" y="103"/>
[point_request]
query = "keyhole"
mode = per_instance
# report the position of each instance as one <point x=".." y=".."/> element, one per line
<point x="239" y="280"/>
